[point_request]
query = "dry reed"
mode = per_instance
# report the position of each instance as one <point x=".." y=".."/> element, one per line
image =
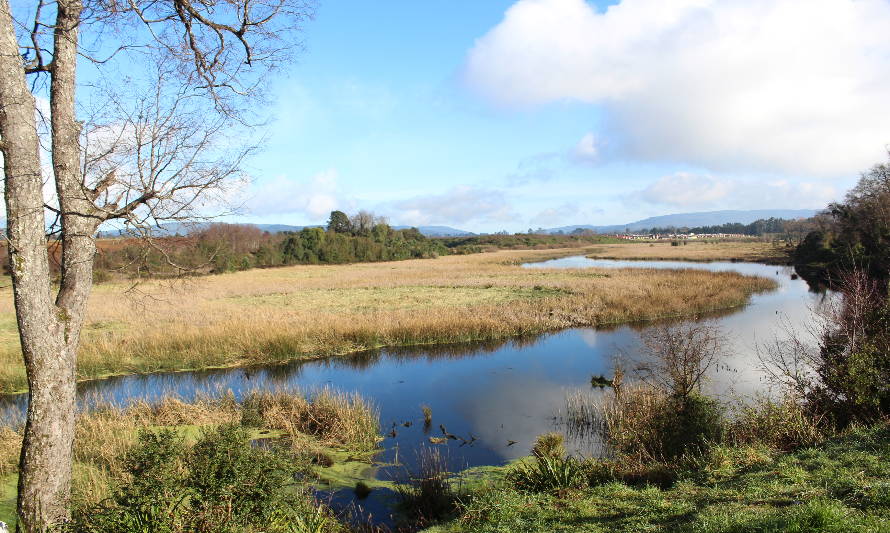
<point x="748" y="251"/>
<point x="103" y="436"/>
<point x="273" y="315"/>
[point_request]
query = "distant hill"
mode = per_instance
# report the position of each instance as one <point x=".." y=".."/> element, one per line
<point x="691" y="220"/>
<point x="183" y="229"/>
<point x="439" y="231"/>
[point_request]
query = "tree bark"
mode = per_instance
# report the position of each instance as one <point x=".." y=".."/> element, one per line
<point x="48" y="330"/>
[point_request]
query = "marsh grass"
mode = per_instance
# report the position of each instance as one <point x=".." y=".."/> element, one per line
<point x="744" y="251"/>
<point x="10" y="444"/>
<point x="428" y="494"/>
<point x="783" y="424"/>
<point x="280" y="314"/>
<point x="307" y="423"/>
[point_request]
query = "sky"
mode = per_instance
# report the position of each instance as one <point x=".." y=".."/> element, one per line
<point x="509" y="115"/>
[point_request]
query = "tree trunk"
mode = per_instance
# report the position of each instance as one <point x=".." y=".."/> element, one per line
<point x="48" y="330"/>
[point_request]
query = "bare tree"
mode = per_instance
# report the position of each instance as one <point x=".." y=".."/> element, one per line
<point x="676" y="358"/>
<point x="838" y="363"/>
<point x="149" y="156"/>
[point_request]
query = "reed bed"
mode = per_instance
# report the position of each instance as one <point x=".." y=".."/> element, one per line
<point x="746" y="251"/>
<point x="274" y="315"/>
<point x="305" y="421"/>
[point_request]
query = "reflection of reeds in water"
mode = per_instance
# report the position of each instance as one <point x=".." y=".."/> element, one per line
<point x="582" y="417"/>
<point x="427" y="493"/>
<point x="274" y="315"/>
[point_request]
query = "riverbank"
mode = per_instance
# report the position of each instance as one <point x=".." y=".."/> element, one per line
<point x="838" y="486"/>
<point x="302" y="312"/>
<point x="327" y="436"/>
<point x="742" y="251"/>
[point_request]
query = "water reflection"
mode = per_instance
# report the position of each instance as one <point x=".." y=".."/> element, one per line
<point x="503" y="393"/>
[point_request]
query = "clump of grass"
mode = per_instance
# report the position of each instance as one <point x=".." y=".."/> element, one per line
<point x="427" y="415"/>
<point x="550" y="469"/>
<point x="331" y="416"/>
<point x="781" y="424"/>
<point x="549" y="445"/>
<point x="427" y="495"/>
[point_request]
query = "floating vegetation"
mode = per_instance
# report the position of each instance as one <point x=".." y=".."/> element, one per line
<point x="600" y="381"/>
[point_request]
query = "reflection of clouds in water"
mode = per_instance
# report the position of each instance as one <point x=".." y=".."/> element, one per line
<point x="511" y="408"/>
<point x="589" y="337"/>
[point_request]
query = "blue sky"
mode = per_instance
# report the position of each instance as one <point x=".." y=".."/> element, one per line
<point x="508" y="115"/>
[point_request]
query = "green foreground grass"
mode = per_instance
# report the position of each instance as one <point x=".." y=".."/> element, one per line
<point x="842" y="485"/>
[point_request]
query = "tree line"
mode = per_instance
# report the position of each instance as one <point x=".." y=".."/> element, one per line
<point x="221" y="247"/>
<point x="791" y="229"/>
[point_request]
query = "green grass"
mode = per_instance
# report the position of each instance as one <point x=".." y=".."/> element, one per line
<point x="8" y="488"/>
<point x="840" y="486"/>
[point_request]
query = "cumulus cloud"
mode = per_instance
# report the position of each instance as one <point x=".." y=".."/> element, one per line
<point x="459" y="206"/>
<point x="686" y="190"/>
<point x="779" y="85"/>
<point x="315" y="197"/>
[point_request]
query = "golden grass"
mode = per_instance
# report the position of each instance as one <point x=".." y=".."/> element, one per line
<point x="309" y="422"/>
<point x="750" y="251"/>
<point x="273" y="315"/>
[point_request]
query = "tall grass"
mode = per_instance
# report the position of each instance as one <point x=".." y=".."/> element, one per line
<point x="273" y="315"/>
<point x="306" y="421"/>
<point x="427" y="495"/>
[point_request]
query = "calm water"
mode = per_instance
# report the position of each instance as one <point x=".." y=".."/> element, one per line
<point x="503" y="394"/>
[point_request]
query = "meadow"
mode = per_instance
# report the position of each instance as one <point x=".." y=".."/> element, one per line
<point x="309" y="311"/>
<point x="745" y="251"/>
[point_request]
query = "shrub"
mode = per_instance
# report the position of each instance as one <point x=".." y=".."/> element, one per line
<point x="784" y="425"/>
<point x="233" y="482"/>
<point x="645" y="425"/>
<point x="221" y="484"/>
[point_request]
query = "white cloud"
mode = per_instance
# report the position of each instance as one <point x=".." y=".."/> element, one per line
<point x="315" y="197"/>
<point x="587" y="150"/>
<point x="686" y="190"/>
<point x="459" y="206"/>
<point x="780" y="85"/>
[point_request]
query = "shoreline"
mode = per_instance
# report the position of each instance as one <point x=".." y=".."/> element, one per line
<point x="534" y="302"/>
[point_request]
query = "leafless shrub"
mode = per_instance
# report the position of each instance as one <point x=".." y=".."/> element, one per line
<point x="676" y="358"/>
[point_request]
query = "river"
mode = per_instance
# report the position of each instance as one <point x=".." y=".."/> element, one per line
<point x="497" y="395"/>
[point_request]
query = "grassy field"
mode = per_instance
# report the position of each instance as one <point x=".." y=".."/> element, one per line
<point x="749" y="251"/>
<point x="840" y="486"/>
<point x="272" y="315"/>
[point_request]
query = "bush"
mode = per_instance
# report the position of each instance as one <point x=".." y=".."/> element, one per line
<point x="644" y="425"/>
<point x="233" y="482"/>
<point x="221" y="484"/>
